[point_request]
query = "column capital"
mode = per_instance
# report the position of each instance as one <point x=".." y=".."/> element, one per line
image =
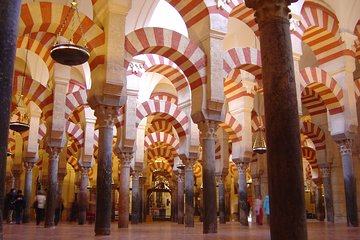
<point x="241" y="166"/>
<point x="85" y="170"/>
<point x="180" y="176"/>
<point x="344" y="146"/>
<point x="325" y="170"/>
<point x="28" y="166"/>
<point x="135" y="175"/>
<point x="125" y="158"/>
<point x="54" y="152"/>
<point x="208" y="129"/>
<point x="220" y="179"/>
<point x="267" y="10"/>
<point x="106" y="115"/>
<point x="189" y="163"/>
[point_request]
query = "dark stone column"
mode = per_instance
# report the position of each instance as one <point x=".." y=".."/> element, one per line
<point x="325" y="171"/>
<point x="142" y="181"/>
<point x="349" y="182"/>
<point x="105" y="119"/>
<point x="135" y="203"/>
<point x="9" y="21"/>
<point x="243" y="201"/>
<point x="220" y="180"/>
<point x="207" y="135"/>
<point x="82" y="195"/>
<point x="189" y="191"/>
<point x="180" y="197"/>
<point x="257" y="185"/>
<point x="52" y="186"/>
<point x="124" y="183"/>
<point x="172" y="217"/>
<point x="319" y="206"/>
<point x="287" y="220"/>
<point x="28" y="190"/>
<point x="174" y="196"/>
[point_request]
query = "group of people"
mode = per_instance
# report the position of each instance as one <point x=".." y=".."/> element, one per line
<point x="261" y="208"/>
<point x="13" y="206"/>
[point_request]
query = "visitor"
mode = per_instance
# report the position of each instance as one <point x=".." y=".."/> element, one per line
<point x="258" y="211"/>
<point x="267" y="207"/>
<point x="39" y="206"/>
<point x="9" y="205"/>
<point x="19" y="205"/>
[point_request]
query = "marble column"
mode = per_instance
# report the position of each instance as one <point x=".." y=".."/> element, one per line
<point x="189" y="191"/>
<point x="173" y="196"/>
<point x="325" y="171"/>
<point x="243" y="201"/>
<point x="221" y="187"/>
<point x="287" y="219"/>
<point x="207" y="135"/>
<point x="82" y="195"/>
<point x="10" y="12"/>
<point x="135" y="203"/>
<point x="180" y="196"/>
<point x="28" y="190"/>
<point x="319" y="206"/>
<point x="105" y="119"/>
<point x="349" y="181"/>
<point x="257" y="185"/>
<point x="142" y="181"/>
<point x="52" y="186"/>
<point x="124" y="184"/>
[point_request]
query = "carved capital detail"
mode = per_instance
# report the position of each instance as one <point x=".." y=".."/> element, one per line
<point x="220" y="4"/>
<point x="85" y="171"/>
<point x="267" y="10"/>
<point x="180" y="177"/>
<point x="106" y="115"/>
<point x="220" y="179"/>
<point x="345" y="146"/>
<point x="125" y="158"/>
<point x="189" y="163"/>
<point x="28" y="166"/>
<point x="135" y="175"/>
<point x="325" y="171"/>
<point x="136" y="67"/>
<point x="241" y="166"/>
<point x="256" y="181"/>
<point x="54" y="153"/>
<point x="208" y="129"/>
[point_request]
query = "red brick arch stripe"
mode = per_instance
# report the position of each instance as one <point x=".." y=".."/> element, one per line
<point x="168" y="153"/>
<point x="160" y="166"/>
<point x="233" y="86"/>
<point x="74" y="131"/>
<point x="255" y="121"/>
<point x="319" y="28"/>
<point x="160" y="125"/>
<point x="155" y="137"/>
<point x="247" y="59"/>
<point x="232" y="127"/>
<point x="315" y="133"/>
<point x="246" y="15"/>
<point x="170" y="44"/>
<point x="75" y="97"/>
<point x="48" y="17"/>
<point x="164" y="96"/>
<point x="310" y="155"/>
<point x="312" y="102"/>
<point x="179" y="119"/>
<point x="328" y="89"/>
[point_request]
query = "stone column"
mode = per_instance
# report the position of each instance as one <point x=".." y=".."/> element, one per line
<point x="349" y="181"/>
<point x="189" y="191"/>
<point x="220" y="180"/>
<point x="243" y="201"/>
<point x="142" y="181"/>
<point x="124" y="183"/>
<point x="207" y="135"/>
<point x="16" y="171"/>
<point x="82" y="195"/>
<point x="325" y="171"/>
<point x="257" y="185"/>
<point x="105" y="119"/>
<point x="180" y="196"/>
<point x="287" y="220"/>
<point x="173" y="196"/>
<point x="135" y="203"/>
<point x="10" y="12"/>
<point x="28" y="190"/>
<point x="52" y="186"/>
<point x="319" y="206"/>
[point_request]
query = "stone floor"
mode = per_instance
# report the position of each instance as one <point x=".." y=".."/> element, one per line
<point x="168" y="230"/>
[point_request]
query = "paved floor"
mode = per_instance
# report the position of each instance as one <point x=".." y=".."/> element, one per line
<point x="168" y="230"/>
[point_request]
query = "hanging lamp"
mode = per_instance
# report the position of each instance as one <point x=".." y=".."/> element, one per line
<point x="259" y="145"/>
<point x="68" y="53"/>
<point x="21" y="123"/>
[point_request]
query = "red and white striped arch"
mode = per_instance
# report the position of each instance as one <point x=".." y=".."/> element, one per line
<point x="357" y="42"/>
<point x="310" y="155"/>
<point x="315" y="133"/>
<point x="179" y="119"/>
<point x="233" y="86"/>
<point x="328" y="89"/>
<point x="72" y="161"/>
<point x="160" y="125"/>
<point x="164" y="96"/>
<point x="168" y="153"/>
<point x="162" y="137"/>
<point x="247" y="59"/>
<point x="246" y="15"/>
<point x="170" y="44"/>
<point x="36" y="92"/>
<point x="319" y="29"/>
<point x="217" y="150"/>
<point x="312" y="102"/>
<point x="75" y="132"/>
<point x="255" y="121"/>
<point x="49" y="17"/>
<point x="160" y="166"/>
<point x="232" y="127"/>
<point x="75" y="97"/>
<point x="11" y="143"/>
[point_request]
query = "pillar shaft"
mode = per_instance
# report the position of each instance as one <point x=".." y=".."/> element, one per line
<point x="207" y="135"/>
<point x="142" y="181"/>
<point x="27" y="190"/>
<point x="123" y="221"/>
<point x="52" y="186"/>
<point x="319" y="207"/>
<point x="135" y="203"/>
<point x="180" y="197"/>
<point x="325" y="172"/>
<point x="189" y="192"/>
<point x="82" y="195"/>
<point x="222" y="217"/>
<point x="243" y="201"/>
<point x="349" y="182"/>
<point x="287" y="220"/>
<point x="257" y="186"/>
<point x="105" y="118"/>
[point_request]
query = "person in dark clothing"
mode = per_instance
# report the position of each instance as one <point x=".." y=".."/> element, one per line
<point x="58" y="208"/>
<point x="19" y="206"/>
<point x="9" y="205"/>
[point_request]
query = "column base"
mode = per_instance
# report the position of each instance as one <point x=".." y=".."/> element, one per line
<point x="102" y="231"/>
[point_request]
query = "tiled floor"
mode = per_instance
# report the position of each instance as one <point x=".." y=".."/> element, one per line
<point x="168" y="230"/>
